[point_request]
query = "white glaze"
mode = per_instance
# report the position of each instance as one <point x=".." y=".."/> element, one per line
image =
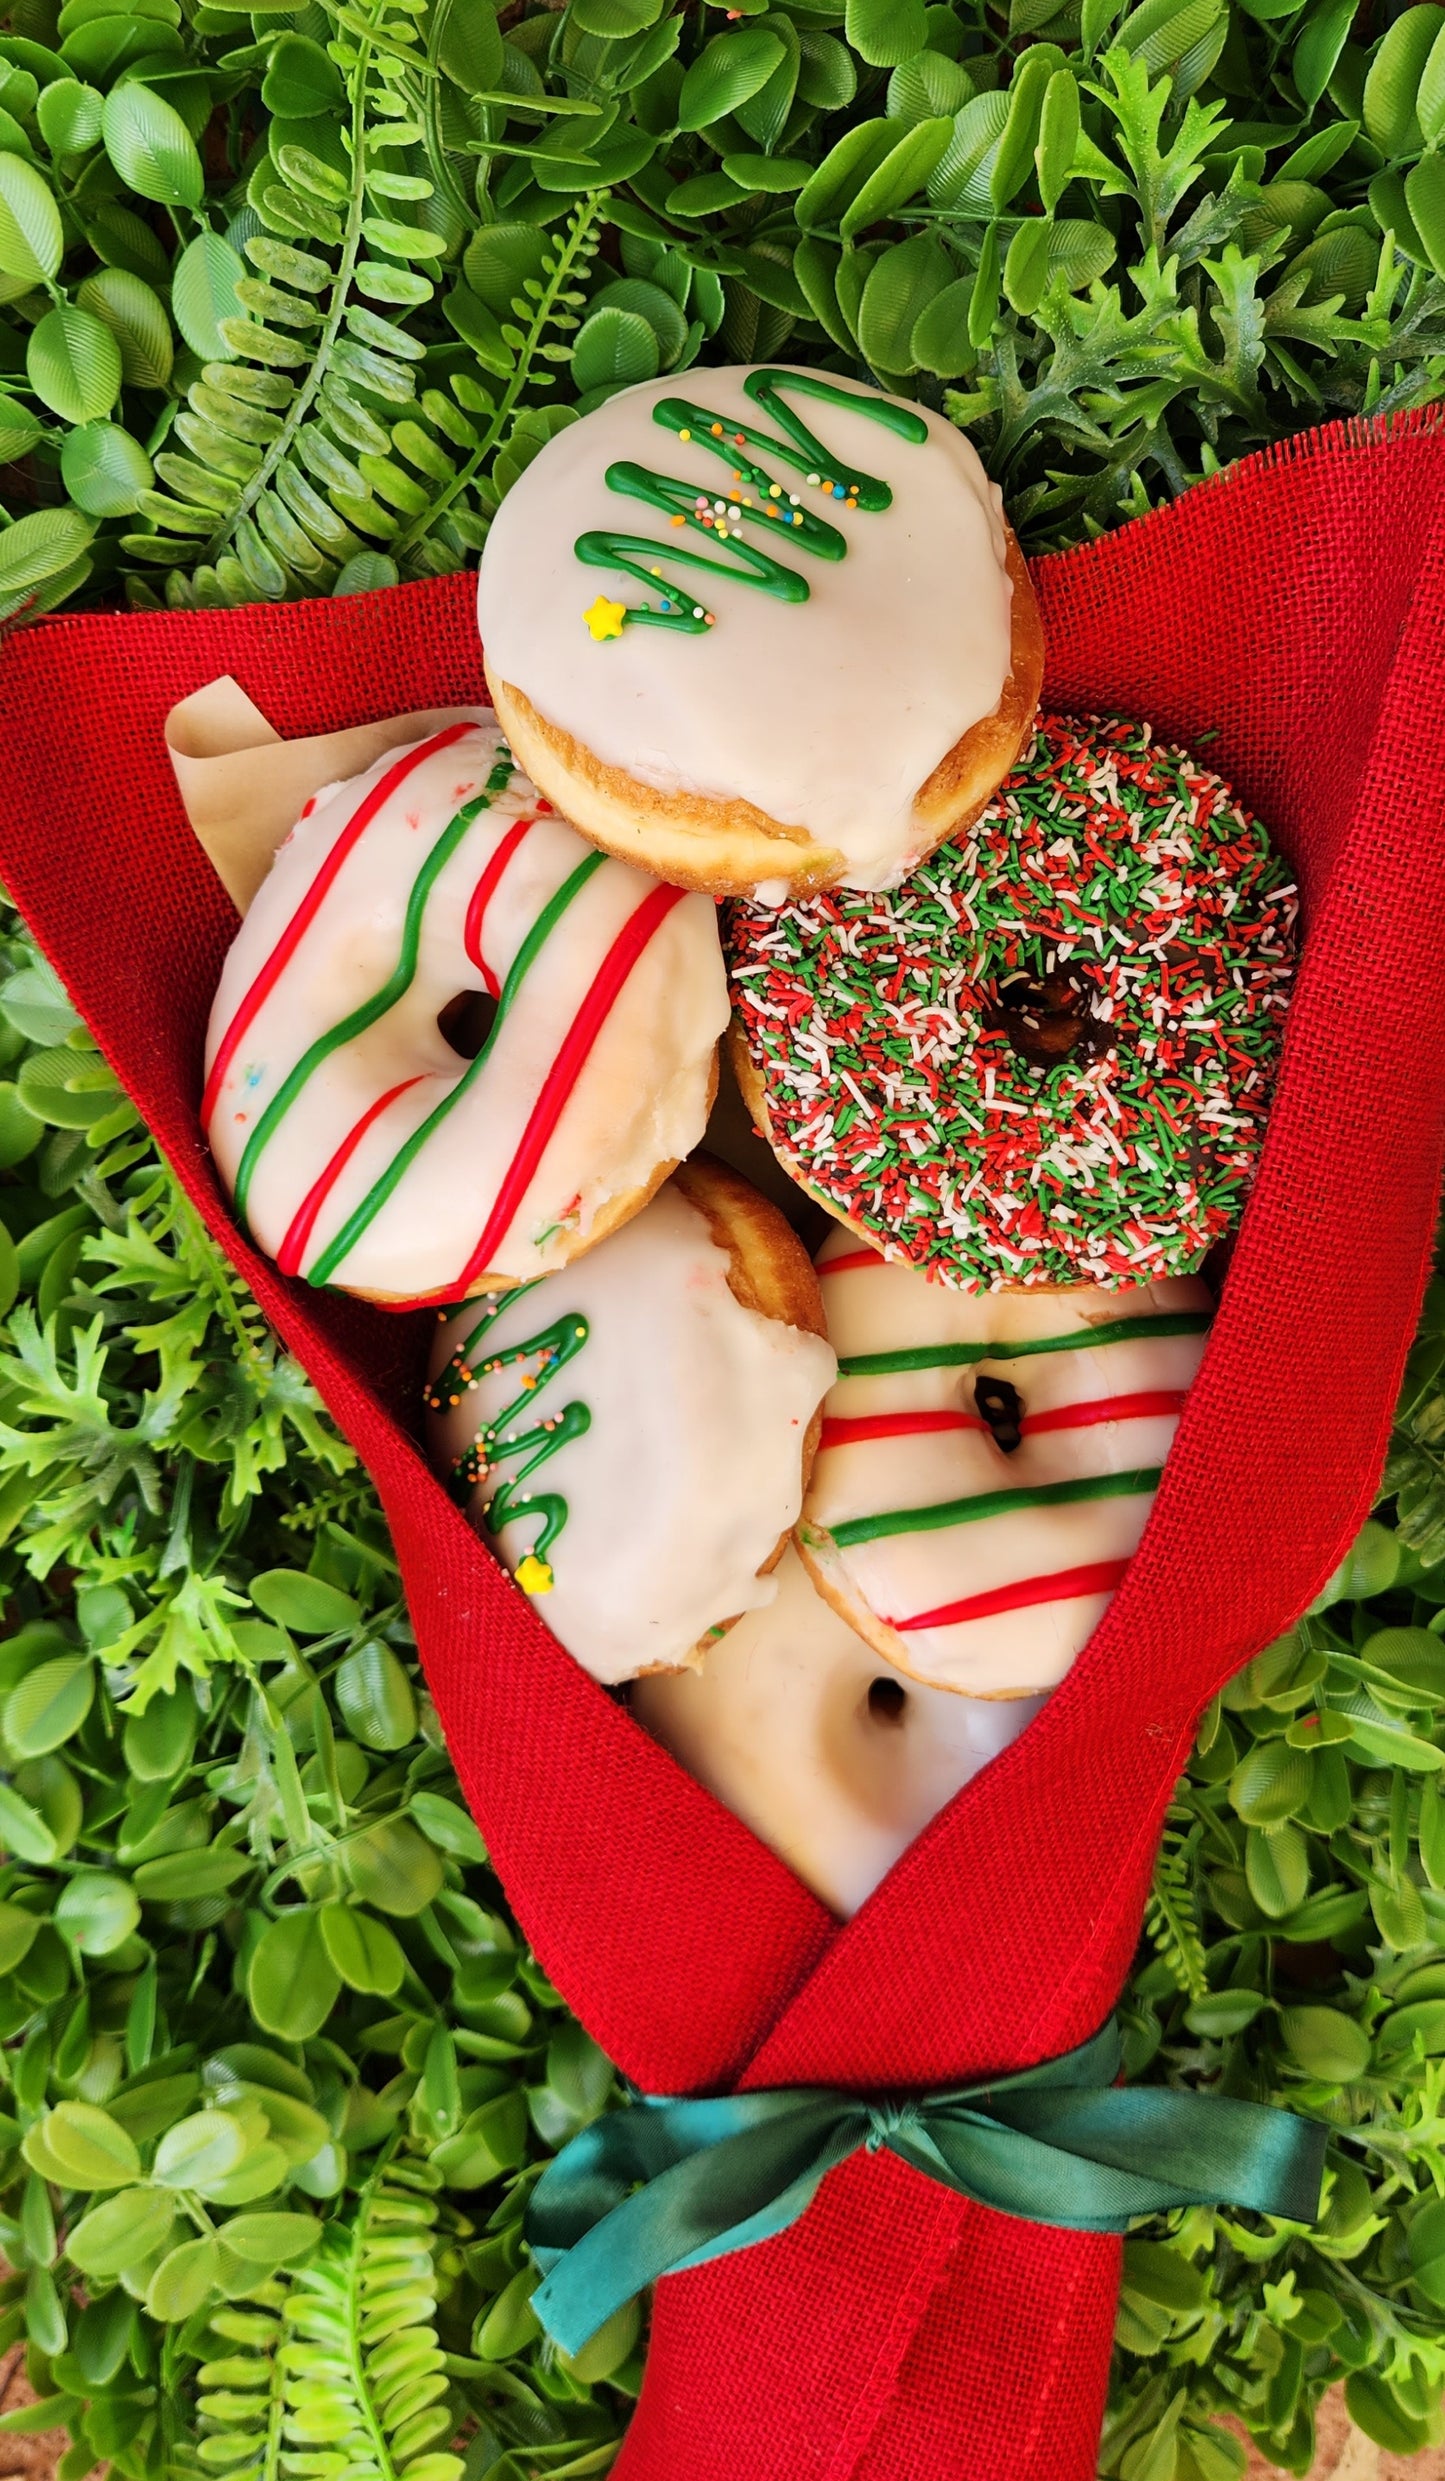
<point x="877" y="1308"/>
<point x="640" y="1100"/>
<point x="911" y="629"/>
<point x="692" y="1466"/>
<point x="776" y="1722"/>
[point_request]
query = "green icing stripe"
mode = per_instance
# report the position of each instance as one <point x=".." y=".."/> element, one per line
<point x="1023" y="1348"/>
<point x="553" y="1348"/>
<point x="730" y="437"/>
<point x="949" y="1512"/>
<point x="401" y="1163"/>
<point x="391" y="991"/>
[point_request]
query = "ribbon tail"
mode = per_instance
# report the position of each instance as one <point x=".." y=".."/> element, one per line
<point x="727" y="2194"/>
<point x="1208" y="2149"/>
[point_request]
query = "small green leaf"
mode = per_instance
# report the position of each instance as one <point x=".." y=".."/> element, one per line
<point x="198" y="2151"/>
<point x="1277" y="1869"/>
<point x="1375" y="2408"/>
<point x="1394" y="79"/>
<point x="51" y="1703"/>
<point x="900" y="286"/>
<point x="962" y="178"/>
<point x="471" y="51"/>
<point x="104" y="469"/>
<point x="1270" y="1784"/>
<point x="97" y="1911"/>
<point x="69" y="116"/>
<point x="306" y="1604"/>
<point x="1317" y="51"/>
<point x="17" y="1929"/>
<point x="123" y="2232"/>
<point x="885" y="32"/>
<point x="447" y="1826"/>
<point x="271" y="2239"/>
<point x="1430" y="95"/>
<point x="1058" y="137"/>
<point x="363" y="1950"/>
<point x="1327" y="2044"/>
<point x="151" y="147"/>
<point x="32" y="238"/>
<point x="1425" y="198"/>
<point x="725" y="73"/>
<point x="615" y="349"/>
<point x="136" y="317"/>
<point x="292" y="1983"/>
<point x="842" y="173"/>
<point x="24" y="1833"/>
<point x="73" y="364"/>
<point x="302" y="82"/>
<point x="393" y="1867"/>
<point x="204" y="293"/>
<point x="901" y="174"/>
<point x="184" y="2280"/>
<point x="93" y="2148"/>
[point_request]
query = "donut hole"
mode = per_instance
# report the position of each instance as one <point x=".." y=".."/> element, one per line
<point x="466" y="1021"/>
<point x="998" y="1402"/>
<point x="1049" y="1018"/>
<point x="887" y="1700"/>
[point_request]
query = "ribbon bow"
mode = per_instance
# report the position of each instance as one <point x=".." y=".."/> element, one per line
<point x="1056" y="2143"/>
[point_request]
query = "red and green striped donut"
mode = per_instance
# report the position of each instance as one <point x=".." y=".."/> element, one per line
<point x="453" y="1045"/>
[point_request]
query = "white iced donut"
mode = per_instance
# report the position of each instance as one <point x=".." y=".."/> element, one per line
<point x="830" y="1755"/>
<point x="633" y="1435"/>
<point x="988" y="1461"/>
<point x="431" y="910"/>
<point x="761" y="629"/>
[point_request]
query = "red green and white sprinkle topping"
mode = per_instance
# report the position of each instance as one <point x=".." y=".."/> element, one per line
<point x="1114" y="897"/>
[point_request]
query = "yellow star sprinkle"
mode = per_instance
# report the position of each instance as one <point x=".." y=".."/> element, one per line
<point x="605" y="619"/>
<point x="534" y="1576"/>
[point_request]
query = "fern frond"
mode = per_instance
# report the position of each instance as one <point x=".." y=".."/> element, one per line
<point x="452" y="517"/>
<point x="366" y="2389"/>
<point x="288" y="474"/>
<point x="1172" y="1917"/>
<point x="240" y="2399"/>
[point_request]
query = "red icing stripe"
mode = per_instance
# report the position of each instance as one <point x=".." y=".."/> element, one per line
<point x="562" y="1076"/>
<point x="301" y="920"/>
<point x="293" y="1247"/>
<point x="1066" y="1586"/>
<point x="893" y="1426"/>
<point x="849" y="1259"/>
<point x="1061" y="1417"/>
<point x="482" y="894"/>
<point x="1106" y="1408"/>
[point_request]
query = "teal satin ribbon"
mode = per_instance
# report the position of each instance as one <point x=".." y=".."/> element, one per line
<point x="1057" y="2143"/>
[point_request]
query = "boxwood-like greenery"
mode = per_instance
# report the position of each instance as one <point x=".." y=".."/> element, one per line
<point x="288" y="297"/>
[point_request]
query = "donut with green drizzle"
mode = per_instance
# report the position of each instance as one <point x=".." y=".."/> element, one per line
<point x="1047" y="1057"/>
<point x="988" y="1461"/>
<point x="631" y="1436"/>
<point x="753" y="497"/>
<point x="452" y="1044"/>
<point x="873" y="652"/>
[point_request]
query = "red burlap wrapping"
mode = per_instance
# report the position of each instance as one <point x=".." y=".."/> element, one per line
<point x="898" y="2333"/>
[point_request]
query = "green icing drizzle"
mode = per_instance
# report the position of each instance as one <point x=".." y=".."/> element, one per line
<point x="722" y="515"/>
<point x="376" y="1197"/>
<point x="392" y="990"/>
<point x="949" y="1512"/>
<point x="552" y="1349"/>
<point x="1022" y="1348"/>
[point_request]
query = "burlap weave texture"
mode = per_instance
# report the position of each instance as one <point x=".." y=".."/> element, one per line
<point x="1292" y="613"/>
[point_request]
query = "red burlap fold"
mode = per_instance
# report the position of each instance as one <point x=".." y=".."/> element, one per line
<point x="1296" y="610"/>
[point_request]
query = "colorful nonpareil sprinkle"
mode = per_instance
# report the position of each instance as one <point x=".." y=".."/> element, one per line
<point x="1048" y="1056"/>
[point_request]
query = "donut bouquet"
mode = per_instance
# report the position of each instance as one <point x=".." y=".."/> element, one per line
<point x="847" y="1215"/>
<point x="826" y="1406"/>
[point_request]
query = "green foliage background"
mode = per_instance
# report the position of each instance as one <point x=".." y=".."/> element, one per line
<point x="288" y="298"/>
